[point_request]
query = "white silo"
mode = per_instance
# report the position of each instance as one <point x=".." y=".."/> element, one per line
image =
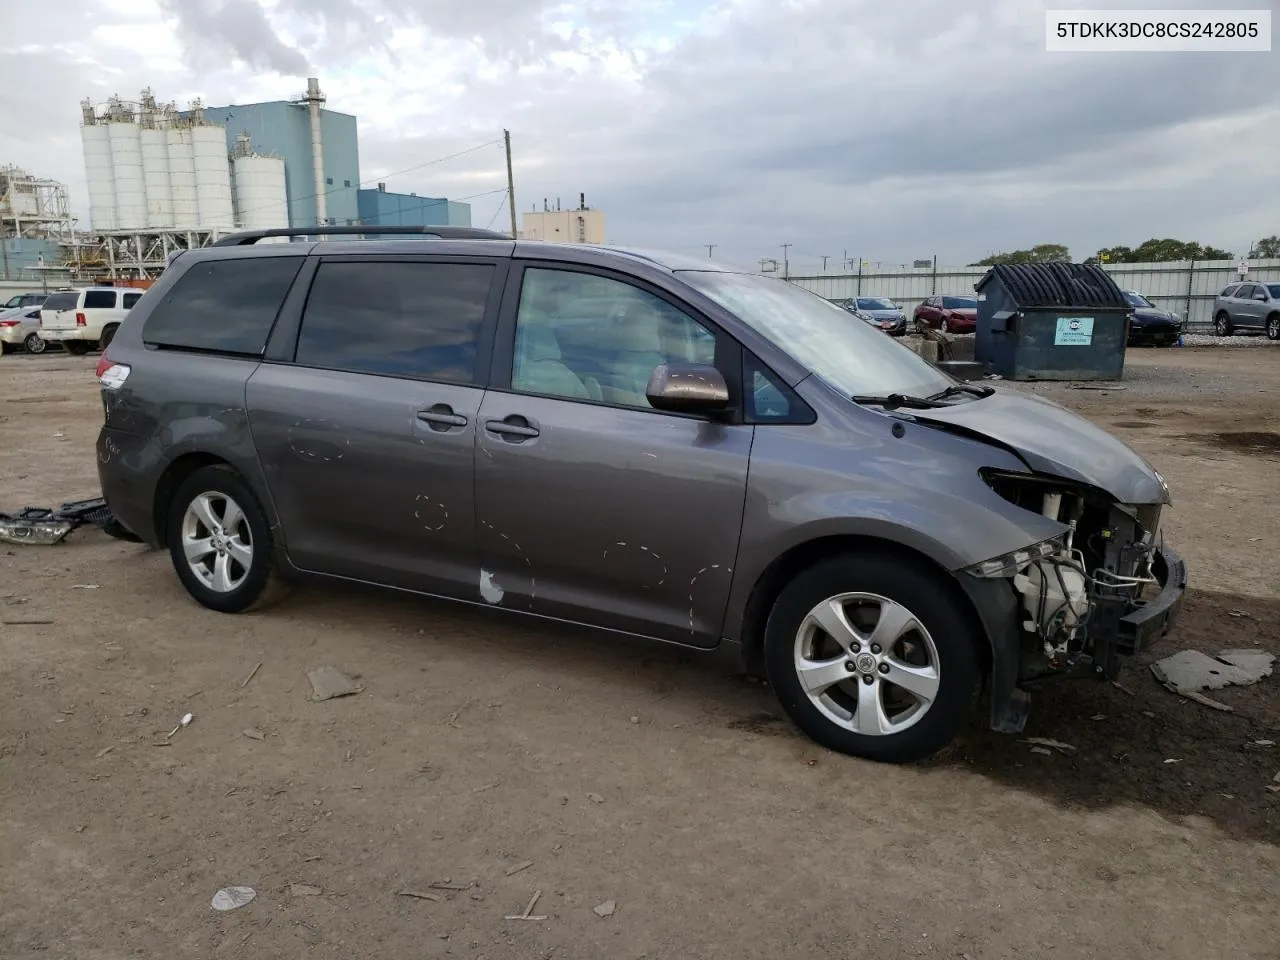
<point x="126" y="163"/>
<point x="262" y="201"/>
<point x="155" y="169"/>
<point x="213" y="172"/>
<point x="98" y="170"/>
<point x="182" y="176"/>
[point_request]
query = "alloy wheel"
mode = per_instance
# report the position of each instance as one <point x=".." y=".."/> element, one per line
<point x="217" y="541"/>
<point x="867" y="663"/>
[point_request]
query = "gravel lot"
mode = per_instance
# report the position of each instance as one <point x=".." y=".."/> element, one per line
<point x="623" y="773"/>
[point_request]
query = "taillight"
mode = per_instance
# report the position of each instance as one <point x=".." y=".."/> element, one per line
<point x="81" y="320"/>
<point x="110" y="374"/>
<point x="9" y="323"/>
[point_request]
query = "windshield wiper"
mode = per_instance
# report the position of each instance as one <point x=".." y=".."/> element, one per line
<point x="959" y="388"/>
<point x="895" y="400"/>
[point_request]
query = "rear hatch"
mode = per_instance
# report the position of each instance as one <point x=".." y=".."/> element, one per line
<point x="59" y="311"/>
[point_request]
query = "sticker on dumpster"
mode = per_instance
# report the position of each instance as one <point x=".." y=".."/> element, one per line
<point x="1073" y="332"/>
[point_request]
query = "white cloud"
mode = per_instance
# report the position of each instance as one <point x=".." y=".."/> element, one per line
<point x="894" y="130"/>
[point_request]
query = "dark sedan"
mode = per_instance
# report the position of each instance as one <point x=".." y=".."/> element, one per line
<point x="1151" y="326"/>
<point x="949" y="314"/>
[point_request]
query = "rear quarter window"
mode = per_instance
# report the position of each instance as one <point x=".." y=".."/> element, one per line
<point x="130" y="299"/>
<point x="223" y="306"/>
<point x="62" y="301"/>
<point x="99" y="299"/>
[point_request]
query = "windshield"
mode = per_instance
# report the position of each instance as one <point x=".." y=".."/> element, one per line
<point x="854" y="358"/>
<point x="960" y="303"/>
<point x="13" y="302"/>
<point x="1136" y="299"/>
<point x="875" y="303"/>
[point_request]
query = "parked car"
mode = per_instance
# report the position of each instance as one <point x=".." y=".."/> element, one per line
<point x="20" y="328"/>
<point x="881" y="313"/>
<point x="24" y="300"/>
<point x="1151" y="326"/>
<point x="958" y="314"/>
<point x="637" y="442"/>
<point x="1248" y="306"/>
<point x="87" y="318"/>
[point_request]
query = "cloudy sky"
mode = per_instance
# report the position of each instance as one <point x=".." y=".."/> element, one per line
<point x="890" y="130"/>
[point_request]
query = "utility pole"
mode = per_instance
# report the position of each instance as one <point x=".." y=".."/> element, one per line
<point x="710" y="247"/>
<point x="511" y="183"/>
<point x="786" y="264"/>
<point x="825" y="258"/>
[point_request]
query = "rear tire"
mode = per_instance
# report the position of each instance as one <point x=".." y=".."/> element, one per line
<point x="77" y="348"/>
<point x="852" y="684"/>
<point x="1273" y="327"/>
<point x="1222" y="325"/>
<point x="221" y="543"/>
<point x="34" y="343"/>
<point x="108" y="335"/>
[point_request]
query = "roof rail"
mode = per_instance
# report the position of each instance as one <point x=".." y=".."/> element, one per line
<point x="250" y="237"/>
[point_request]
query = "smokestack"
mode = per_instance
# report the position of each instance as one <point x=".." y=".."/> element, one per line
<point x="314" y="98"/>
<point x="582" y="201"/>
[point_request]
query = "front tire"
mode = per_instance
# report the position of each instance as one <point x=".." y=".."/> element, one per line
<point x="873" y="658"/>
<point x="220" y="542"/>
<point x="1273" y="327"/>
<point x="1222" y="325"/>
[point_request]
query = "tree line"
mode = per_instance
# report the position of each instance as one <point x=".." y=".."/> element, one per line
<point x="1149" y="251"/>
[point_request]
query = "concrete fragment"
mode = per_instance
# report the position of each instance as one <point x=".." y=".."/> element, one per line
<point x="253" y="733"/>
<point x="1188" y="671"/>
<point x="327" y="683"/>
<point x="304" y="890"/>
<point x="605" y="909"/>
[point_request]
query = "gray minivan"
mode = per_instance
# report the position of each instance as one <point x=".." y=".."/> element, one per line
<point x="642" y="443"/>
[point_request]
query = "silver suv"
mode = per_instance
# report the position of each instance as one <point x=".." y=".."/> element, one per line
<point x="641" y="443"/>
<point x="1248" y="306"/>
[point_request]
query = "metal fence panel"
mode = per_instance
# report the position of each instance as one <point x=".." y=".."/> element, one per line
<point x="1186" y="288"/>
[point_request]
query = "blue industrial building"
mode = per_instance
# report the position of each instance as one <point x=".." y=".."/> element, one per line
<point x="283" y="128"/>
<point x="410" y="210"/>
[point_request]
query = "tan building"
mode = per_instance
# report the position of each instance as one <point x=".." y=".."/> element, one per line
<point x="583" y="225"/>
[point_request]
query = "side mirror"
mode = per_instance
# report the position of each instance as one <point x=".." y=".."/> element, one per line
<point x="687" y="388"/>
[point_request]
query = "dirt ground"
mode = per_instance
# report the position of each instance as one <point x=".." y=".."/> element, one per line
<point x="624" y="773"/>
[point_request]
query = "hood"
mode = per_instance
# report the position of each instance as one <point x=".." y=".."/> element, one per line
<point x="883" y="314"/>
<point x="1150" y="315"/>
<point x="14" y="313"/>
<point x="1053" y="440"/>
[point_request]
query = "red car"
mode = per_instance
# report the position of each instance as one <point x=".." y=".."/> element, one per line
<point x="948" y="314"/>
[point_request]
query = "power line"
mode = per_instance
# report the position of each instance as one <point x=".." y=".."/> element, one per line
<point x="501" y="204"/>
<point x="378" y="179"/>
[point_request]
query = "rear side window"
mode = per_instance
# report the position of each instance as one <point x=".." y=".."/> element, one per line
<point x="130" y="299"/>
<point x="403" y="319"/>
<point x="225" y="306"/>
<point x="99" y="299"/>
<point x="62" y="301"/>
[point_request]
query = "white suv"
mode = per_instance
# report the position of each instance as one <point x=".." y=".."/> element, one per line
<point x="85" y="318"/>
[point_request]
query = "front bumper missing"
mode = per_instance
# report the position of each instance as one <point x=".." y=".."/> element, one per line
<point x="1139" y="629"/>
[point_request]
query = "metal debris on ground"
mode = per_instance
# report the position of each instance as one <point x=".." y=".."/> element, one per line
<point x="1047" y="742"/>
<point x="1264" y="743"/>
<point x="1239" y="614"/>
<point x="447" y="884"/>
<point x="418" y="895"/>
<point x="25" y="623"/>
<point x="1042" y="750"/>
<point x="595" y="798"/>
<point x="304" y="890"/>
<point x="487" y="786"/>
<point x="103" y="752"/>
<point x="86" y="586"/>
<point x="605" y="909"/>
<point x="1189" y="671"/>
<point x="528" y="910"/>
<point x="522" y="865"/>
<point x="1208" y="701"/>
<point x="232" y="898"/>
<point x="328" y="683"/>
<point x="1122" y="688"/>
<point x="253" y="733"/>
<point x="184" y="722"/>
<point x="45" y="526"/>
<point x="1174" y="760"/>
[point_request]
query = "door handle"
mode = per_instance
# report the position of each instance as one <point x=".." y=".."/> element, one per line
<point x="515" y="427"/>
<point x="441" y="417"/>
